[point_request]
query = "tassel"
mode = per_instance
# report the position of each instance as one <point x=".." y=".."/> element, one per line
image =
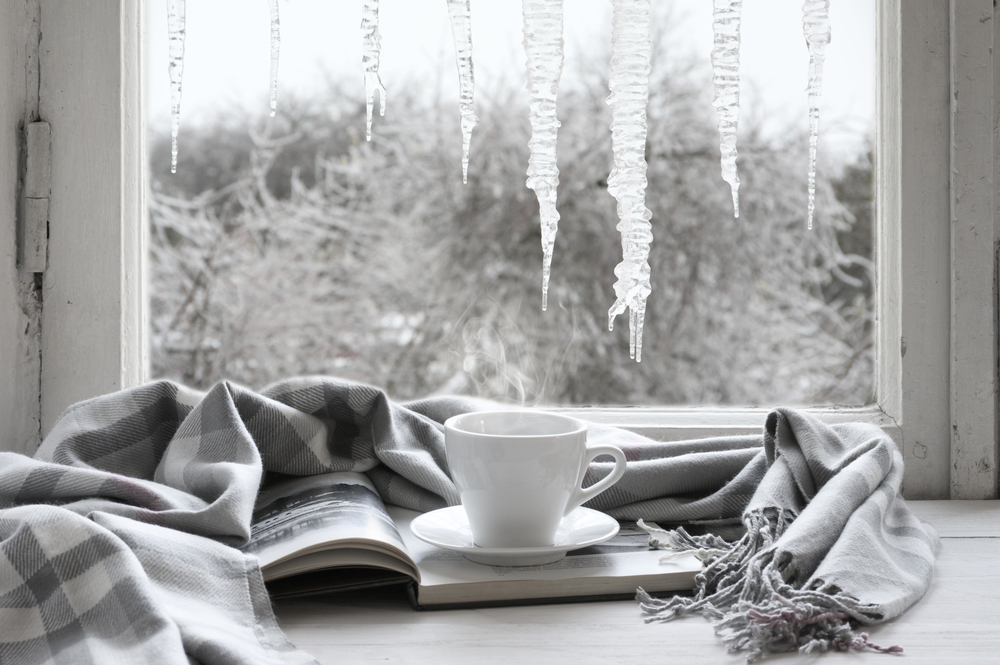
<point x="742" y="592"/>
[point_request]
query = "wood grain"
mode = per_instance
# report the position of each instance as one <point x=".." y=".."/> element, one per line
<point x="912" y="262"/>
<point x="681" y="423"/>
<point x="973" y="247"/>
<point x="19" y="308"/>
<point x="954" y="622"/>
<point x="960" y="519"/>
<point x="92" y="321"/>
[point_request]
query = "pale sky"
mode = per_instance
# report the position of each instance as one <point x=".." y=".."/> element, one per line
<point x="227" y="53"/>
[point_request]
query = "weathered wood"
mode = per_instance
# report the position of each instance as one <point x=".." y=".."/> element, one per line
<point x="38" y="175"/>
<point x="682" y="423"/>
<point x="92" y="320"/>
<point x="33" y="243"/>
<point x="94" y="343"/>
<point x="973" y="255"/>
<point x="34" y="235"/>
<point x="912" y="252"/>
<point x="913" y="263"/>
<point x="954" y="622"/>
<point x="19" y="307"/>
<point x="960" y="519"/>
<point x="888" y="157"/>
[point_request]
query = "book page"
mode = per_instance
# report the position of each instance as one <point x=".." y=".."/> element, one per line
<point x="306" y="515"/>
<point x="339" y="558"/>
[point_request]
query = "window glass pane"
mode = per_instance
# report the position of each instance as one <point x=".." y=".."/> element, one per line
<point x="290" y="245"/>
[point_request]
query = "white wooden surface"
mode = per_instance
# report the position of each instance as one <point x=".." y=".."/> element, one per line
<point x="973" y="254"/>
<point x="683" y="423"/>
<point x="92" y="319"/>
<point x="954" y="623"/>
<point x="19" y="311"/>
<point x="924" y="385"/>
<point x="914" y="270"/>
<point x="34" y="219"/>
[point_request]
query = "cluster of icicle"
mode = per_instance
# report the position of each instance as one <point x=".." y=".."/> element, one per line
<point x="726" y="76"/>
<point x="460" y="18"/>
<point x="176" y="19"/>
<point x="275" y="47"/>
<point x="175" y="44"/>
<point x="543" y="48"/>
<point x="371" y="45"/>
<point x="816" y="26"/>
<point x="630" y="64"/>
<point x="461" y="32"/>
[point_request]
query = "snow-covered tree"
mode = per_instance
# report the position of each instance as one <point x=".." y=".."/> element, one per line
<point x="301" y="248"/>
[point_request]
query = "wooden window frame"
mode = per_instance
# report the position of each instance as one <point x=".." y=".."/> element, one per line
<point x="936" y="307"/>
<point x="936" y="314"/>
<point x="93" y="317"/>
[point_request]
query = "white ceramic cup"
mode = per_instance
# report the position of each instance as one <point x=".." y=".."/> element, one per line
<point x="520" y="472"/>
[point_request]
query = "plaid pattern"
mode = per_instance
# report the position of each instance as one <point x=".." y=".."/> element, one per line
<point x="829" y="545"/>
<point x="119" y="539"/>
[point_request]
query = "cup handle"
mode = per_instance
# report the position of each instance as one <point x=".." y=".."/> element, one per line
<point x="583" y="495"/>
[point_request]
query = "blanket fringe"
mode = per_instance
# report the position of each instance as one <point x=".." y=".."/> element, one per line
<point x="743" y="593"/>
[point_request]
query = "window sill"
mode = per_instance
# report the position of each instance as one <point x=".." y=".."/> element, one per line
<point x="682" y="423"/>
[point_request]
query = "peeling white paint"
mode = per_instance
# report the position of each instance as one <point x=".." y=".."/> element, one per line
<point x="973" y="381"/>
<point x="20" y="339"/>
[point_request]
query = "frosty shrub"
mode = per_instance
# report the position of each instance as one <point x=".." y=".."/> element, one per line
<point x="300" y="248"/>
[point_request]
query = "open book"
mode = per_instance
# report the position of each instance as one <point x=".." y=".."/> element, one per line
<point x="332" y="532"/>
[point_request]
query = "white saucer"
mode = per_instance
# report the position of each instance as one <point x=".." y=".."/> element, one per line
<point x="448" y="528"/>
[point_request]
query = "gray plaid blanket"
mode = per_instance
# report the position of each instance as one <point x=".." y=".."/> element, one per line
<point x="119" y="539"/>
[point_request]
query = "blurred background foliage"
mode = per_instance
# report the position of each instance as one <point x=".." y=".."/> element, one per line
<point x="296" y="247"/>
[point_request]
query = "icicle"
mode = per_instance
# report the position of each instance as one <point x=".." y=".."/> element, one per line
<point x="275" y="46"/>
<point x="372" y="44"/>
<point x="543" y="46"/>
<point x="461" y="32"/>
<point x="630" y="64"/>
<point x="816" y="26"/>
<point x="175" y="35"/>
<point x="726" y="69"/>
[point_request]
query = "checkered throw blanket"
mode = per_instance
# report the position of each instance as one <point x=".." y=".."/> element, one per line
<point x="119" y="539"/>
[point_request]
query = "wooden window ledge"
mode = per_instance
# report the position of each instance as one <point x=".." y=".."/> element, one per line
<point x="954" y="622"/>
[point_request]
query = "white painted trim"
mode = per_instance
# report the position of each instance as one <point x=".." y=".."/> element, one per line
<point x="888" y="177"/>
<point x="19" y="310"/>
<point x="135" y="213"/>
<point x="678" y="424"/>
<point x="913" y="266"/>
<point x="92" y="313"/>
<point x="913" y="263"/>
<point x="93" y="319"/>
<point x="973" y="254"/>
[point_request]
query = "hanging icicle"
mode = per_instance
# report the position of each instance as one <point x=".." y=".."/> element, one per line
<point x="630" y="64"/>
<point x="726" y="71"/>
<point x="175" y="37"/>
<point x="275" y="47"/>
<point x="816" y="26"/>
<point x="461" y="32"/>
<point x="543" y="46"/>
<point x="371" y="45"/>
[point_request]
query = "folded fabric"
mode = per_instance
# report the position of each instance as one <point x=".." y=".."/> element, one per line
<point x="119" y="540"/>
<point x="830" y="544"/>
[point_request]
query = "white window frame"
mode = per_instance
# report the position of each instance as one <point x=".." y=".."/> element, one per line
<point x="936" y="285"/>
<point x="90" y="92"/>
<point x="936" y="308"/>
<point x="79" y="67"/>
